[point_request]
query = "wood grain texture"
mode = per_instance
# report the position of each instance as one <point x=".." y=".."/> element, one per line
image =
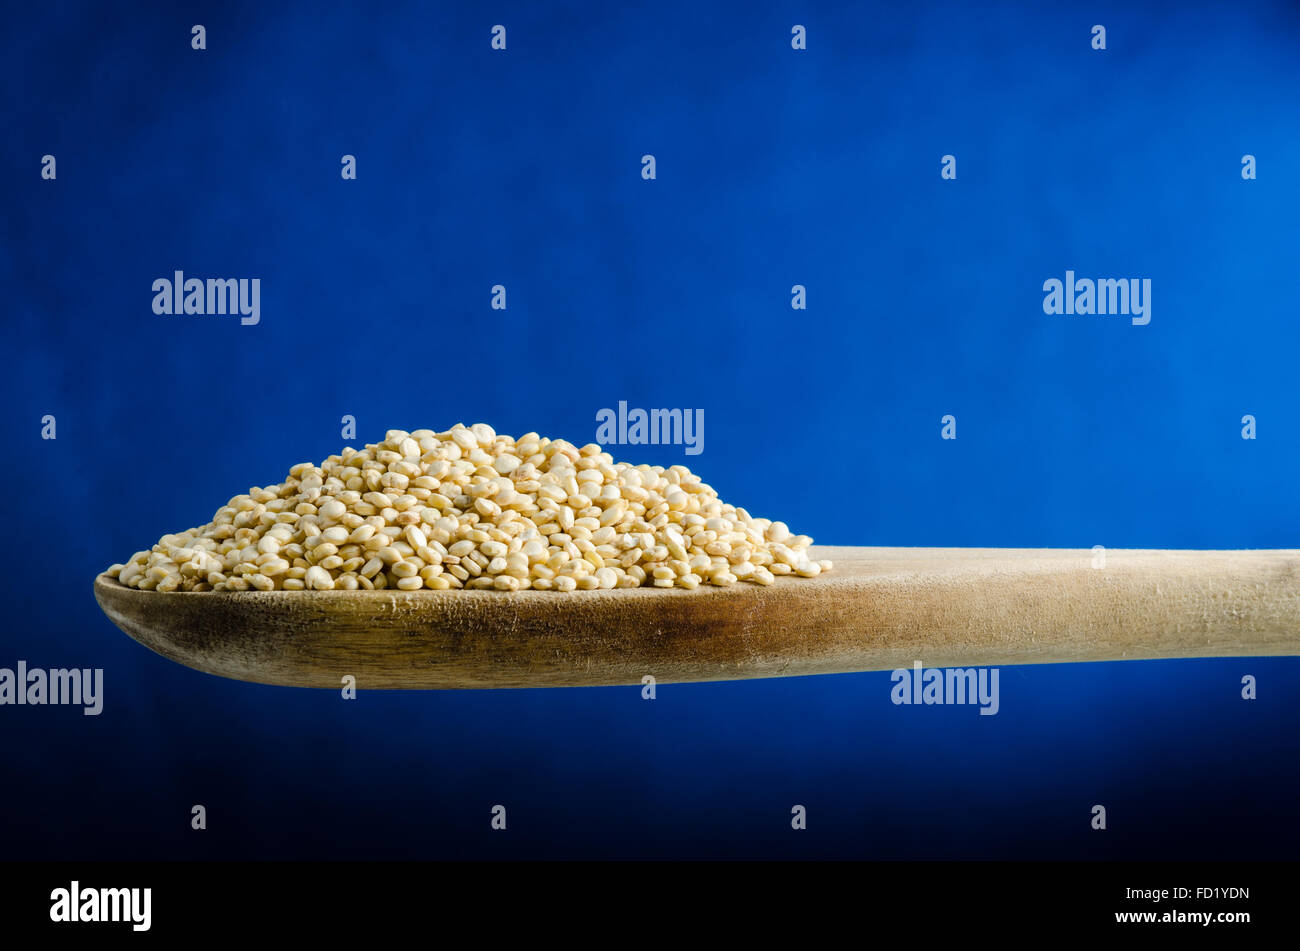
<point x="881" y="608"/>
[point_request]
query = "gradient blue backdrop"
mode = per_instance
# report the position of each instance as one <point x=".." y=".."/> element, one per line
<point x="775" y="167"/>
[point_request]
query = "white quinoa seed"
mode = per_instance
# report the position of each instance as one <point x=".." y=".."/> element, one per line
<point x="471" y="509"/>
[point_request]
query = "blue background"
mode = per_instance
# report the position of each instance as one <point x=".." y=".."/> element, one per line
<point x="775" y="168"/>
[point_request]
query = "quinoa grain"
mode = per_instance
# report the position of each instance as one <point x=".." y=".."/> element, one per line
<point x="469" y="508"/>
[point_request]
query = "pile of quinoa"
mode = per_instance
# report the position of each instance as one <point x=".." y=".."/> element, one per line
<point x="468" y="508"/>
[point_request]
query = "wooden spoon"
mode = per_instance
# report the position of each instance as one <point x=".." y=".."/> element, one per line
<point x="880" y="609"/>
